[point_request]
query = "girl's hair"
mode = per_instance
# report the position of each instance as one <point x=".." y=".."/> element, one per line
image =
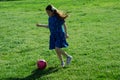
<point x="56" y="12"/>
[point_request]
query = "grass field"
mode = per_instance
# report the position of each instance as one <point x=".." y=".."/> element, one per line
<point x="94" y="39"/>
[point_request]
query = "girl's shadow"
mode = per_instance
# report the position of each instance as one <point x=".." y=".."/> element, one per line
<point x="37" y="74"/>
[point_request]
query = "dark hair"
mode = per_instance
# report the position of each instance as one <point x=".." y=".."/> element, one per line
<point x="56" y="12"/>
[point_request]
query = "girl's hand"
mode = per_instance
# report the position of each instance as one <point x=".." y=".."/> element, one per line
<point x="42" y="25"/>
<point x="38" y="25"/>
<point x="66" y="35"/>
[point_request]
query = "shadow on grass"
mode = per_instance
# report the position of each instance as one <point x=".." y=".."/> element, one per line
<point x="37" y="74"/>
<point x="9" y="0"/>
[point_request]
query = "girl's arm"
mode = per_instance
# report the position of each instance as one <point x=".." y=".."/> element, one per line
<point x="42" y="25"/>
<point x="65" y="28"/>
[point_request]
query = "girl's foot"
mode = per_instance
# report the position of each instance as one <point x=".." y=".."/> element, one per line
<point x="69" y="58"/>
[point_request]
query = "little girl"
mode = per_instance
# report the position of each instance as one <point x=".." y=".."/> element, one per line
<point x="58" y="33"/>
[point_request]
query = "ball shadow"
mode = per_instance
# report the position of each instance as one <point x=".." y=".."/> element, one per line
<point x="9" y="0"/>
<point x="37" y="73"/>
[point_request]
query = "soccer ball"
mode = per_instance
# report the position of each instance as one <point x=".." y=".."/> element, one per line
<point x="41" y="64"/>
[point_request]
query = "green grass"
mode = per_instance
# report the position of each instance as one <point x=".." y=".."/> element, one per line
<point x="94" y="30"/>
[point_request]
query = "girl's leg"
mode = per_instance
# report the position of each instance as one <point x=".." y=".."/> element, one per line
<point x="63" y="52"/>
<point x="69" y="58"/>
<point x="60" y="52"/>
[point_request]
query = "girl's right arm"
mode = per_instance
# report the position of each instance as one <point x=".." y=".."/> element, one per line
<point x="42" y="25"/>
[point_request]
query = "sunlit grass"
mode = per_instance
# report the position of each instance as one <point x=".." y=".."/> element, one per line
<point x="94" y="34"/>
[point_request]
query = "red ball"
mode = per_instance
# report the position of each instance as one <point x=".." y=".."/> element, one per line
<point x="41" y="64"/>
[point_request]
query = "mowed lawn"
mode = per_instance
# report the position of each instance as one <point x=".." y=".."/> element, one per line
<point x="94" y="40"/>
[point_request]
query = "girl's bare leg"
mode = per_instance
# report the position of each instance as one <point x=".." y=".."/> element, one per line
<point x="60" y="52"/>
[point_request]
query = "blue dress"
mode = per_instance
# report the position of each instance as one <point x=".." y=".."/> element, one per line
<point x="57" y="33"/>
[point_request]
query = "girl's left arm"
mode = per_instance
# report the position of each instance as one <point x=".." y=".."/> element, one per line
<point x="65" y="28"/>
